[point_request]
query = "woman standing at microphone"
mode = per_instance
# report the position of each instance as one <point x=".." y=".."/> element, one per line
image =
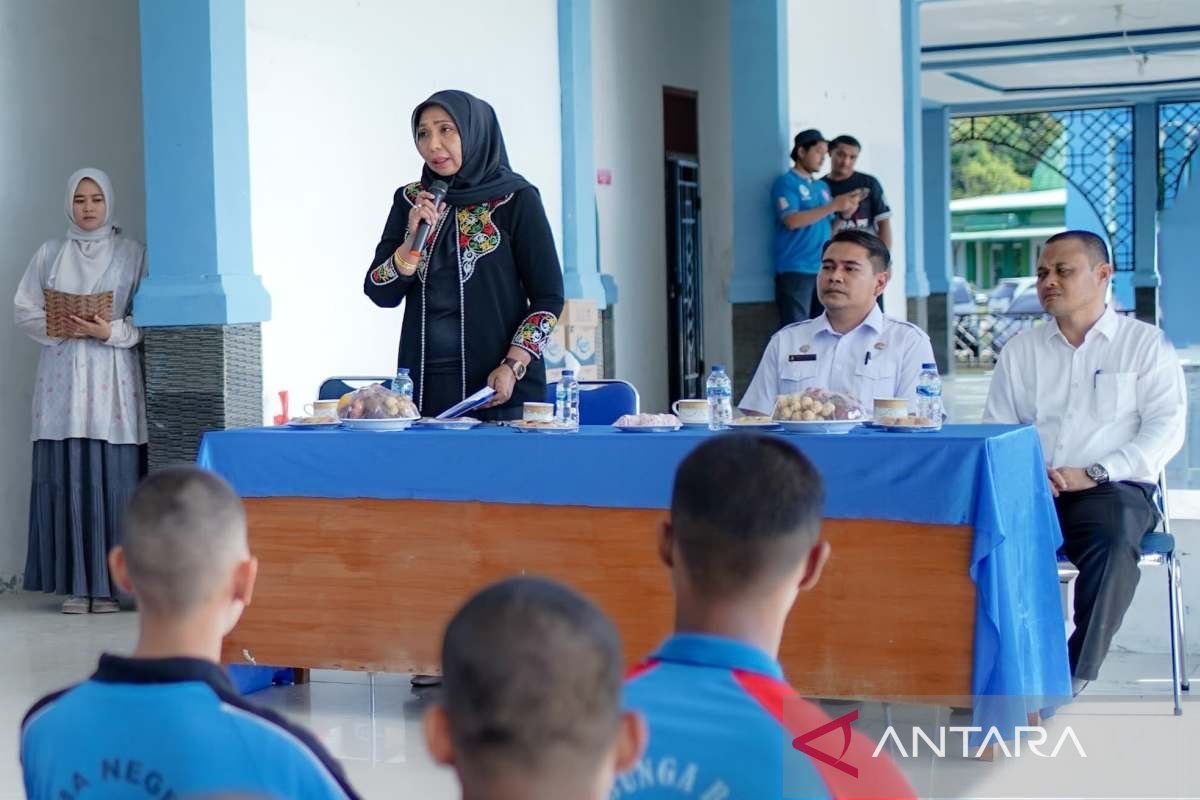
<point x="484" y="289"/>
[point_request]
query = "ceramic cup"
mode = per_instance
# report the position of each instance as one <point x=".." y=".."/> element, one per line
<point x="538" y="412"/>
<point x="322" y="408"/>
<point x="890" y="407"/>
<point x="691" y="411"/>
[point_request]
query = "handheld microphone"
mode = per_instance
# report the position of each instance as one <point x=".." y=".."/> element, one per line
<point x="438" y="189"/>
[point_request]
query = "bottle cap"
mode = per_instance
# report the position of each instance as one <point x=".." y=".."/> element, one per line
<point x="929" y="366"/>
<point x="402" y="371"/>
<point x="718" y="368"/>
<point x="567" y="372"/>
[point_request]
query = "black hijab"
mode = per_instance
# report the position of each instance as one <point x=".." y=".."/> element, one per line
<point x="485" y="173"/>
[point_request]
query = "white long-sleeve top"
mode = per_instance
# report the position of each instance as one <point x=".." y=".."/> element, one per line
<point x="1117" y="400"/>
<point x="85" y="388"/>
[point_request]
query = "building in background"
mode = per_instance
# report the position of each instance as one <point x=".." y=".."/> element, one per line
<point x="999" y="236"/>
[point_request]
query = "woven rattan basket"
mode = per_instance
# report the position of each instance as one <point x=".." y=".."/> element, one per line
<point x="61" y="306"/>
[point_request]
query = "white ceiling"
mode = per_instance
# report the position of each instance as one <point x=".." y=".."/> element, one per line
<point x="976" y="52"/>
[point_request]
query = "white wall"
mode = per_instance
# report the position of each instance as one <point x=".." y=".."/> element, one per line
<point x="331" y="90"/>
<point x="637" y="49"/>
<point x="846" y="78"/>
<point x="70" y="95"/>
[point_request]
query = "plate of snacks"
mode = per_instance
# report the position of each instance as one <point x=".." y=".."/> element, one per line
<point x="375" y="408"/>
<point x="755" y="423"/>
<point x="543" y="426"/>
<point x="314" y="422"/>
<point x="456" y="424"/>
<point x="648" y="423"/>
<point x="818" y="411"/>
<point x="908" y="424"/>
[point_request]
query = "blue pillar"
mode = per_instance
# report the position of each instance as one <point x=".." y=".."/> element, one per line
<point x="1179" y="240"/>
<point x="935" y="165"/>
<point x="916" y="283"/>
<point x="1145" y="210"/>
<point x="197" y="167"/>
<point x="581" y="269"/>
<point x="761" y="141"/>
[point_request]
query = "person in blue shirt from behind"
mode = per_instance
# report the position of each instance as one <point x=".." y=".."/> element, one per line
<point x="803" y="209"/>
<point x="530" y="707"/>
<point x="742" y="543"/>
<point x="167" y="722"/>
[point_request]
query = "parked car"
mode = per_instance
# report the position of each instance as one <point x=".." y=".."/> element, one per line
<point x="1002" y="293"/>
<point x="964" y="297"/>
<point x="1026" y="301"/>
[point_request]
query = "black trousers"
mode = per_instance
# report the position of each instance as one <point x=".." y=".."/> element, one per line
<point x="1102" y="534"/>
<point x="796" y="297"/>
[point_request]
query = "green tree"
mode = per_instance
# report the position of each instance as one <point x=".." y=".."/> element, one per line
<point x="1000" y="153"/>
<point x="975" y="169"/>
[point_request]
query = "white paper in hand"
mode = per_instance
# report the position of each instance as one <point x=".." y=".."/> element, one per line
<point x="471" y="403"/>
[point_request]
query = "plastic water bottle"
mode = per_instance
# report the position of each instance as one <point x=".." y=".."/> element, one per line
<point x="929" y="394"/>
<point x="566" y="399"/>
<point x="719" y="391"/>
<point x="403" y="384"/>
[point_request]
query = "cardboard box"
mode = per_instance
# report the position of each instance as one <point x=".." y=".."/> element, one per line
<point x="581" y="344"/>
<point x="584" y="313"/>
<point x="591" y="373"/>
<point x="554" y="352"/>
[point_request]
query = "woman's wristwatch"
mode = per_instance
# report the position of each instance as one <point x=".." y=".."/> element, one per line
<point x="518" y="369"/>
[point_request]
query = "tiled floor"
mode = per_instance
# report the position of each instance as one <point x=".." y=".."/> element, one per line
<point x="1135" y="746"/>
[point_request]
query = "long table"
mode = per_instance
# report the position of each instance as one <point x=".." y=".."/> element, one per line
<point x="942" y="584"/>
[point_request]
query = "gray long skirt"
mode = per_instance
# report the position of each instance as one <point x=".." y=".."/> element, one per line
<point x="80" y="490"/>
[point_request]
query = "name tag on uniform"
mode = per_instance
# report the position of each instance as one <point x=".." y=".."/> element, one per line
<point x="802" y="357"/>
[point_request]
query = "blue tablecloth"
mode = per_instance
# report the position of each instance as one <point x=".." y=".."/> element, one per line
<point x="988" y="477"/>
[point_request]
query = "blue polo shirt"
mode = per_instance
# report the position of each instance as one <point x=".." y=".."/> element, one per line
<point x="799" y="250"/>
<point x="722" y="723"/>
<point x="168" y="728"/>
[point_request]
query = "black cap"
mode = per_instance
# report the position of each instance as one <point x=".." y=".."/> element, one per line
<point x="806" y="139"/>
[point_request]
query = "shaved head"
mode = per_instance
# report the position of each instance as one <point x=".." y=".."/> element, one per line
<point x="185" y="530"/>
<point x="746" y="511"/>
<point x="1093" y="245"/>
<point x="532" y="679"/>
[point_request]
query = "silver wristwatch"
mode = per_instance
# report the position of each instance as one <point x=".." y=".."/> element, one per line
<point x="1098" y="473"/>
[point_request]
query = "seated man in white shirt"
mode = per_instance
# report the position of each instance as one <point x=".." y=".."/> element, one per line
<point x="852" y="347"/>
<point x="1106" y="393"/>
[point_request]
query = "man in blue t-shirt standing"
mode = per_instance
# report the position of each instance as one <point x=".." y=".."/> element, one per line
<point x="803" y="205"/>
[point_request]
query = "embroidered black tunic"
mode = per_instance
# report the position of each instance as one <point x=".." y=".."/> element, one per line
<point x="510" y="292"/>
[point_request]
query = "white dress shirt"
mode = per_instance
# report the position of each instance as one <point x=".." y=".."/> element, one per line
<point x="1117" y="400"/>
<point x="880" y="358"/>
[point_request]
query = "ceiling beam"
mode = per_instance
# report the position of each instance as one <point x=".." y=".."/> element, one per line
<point x="1067" y="102"/>
<point x="1076" y="87"/>
<point x="1120" y="36"/>
<point x="1035" y="57"/>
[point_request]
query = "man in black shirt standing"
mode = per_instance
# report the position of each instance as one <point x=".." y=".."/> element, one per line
<point x="872" y="213"/>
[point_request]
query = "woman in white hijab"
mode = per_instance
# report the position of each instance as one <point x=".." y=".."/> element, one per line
<point x="89" y="413"/>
